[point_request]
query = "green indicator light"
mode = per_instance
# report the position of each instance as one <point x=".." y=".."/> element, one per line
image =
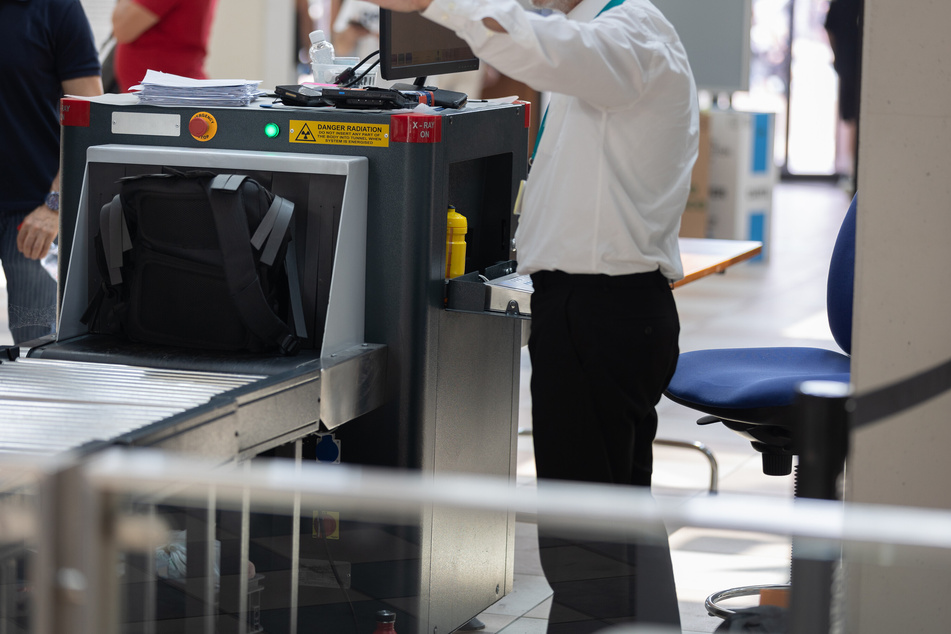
<point x="271" y="130"/>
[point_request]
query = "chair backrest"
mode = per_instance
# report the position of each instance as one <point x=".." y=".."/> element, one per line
<point x="839" y="288"/>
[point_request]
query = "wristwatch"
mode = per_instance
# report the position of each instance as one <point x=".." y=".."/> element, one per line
<point x="52" y="201"/>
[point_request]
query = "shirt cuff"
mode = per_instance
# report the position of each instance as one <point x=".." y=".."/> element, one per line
<point x="461" y="16"/>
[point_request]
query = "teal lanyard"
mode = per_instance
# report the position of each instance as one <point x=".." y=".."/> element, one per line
<point x="541" y="128"/>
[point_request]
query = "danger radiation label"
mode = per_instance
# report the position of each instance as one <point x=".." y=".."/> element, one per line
<point x="338" y="133"/>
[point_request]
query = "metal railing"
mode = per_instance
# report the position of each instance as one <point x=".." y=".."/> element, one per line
<point x="78" y="518"/>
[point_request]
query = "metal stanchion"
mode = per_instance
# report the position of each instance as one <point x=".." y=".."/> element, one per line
<point x="822" y="440"/>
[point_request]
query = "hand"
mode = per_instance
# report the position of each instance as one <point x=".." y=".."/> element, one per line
<point x="404" y="6"/>
<point x="37" y="231"/>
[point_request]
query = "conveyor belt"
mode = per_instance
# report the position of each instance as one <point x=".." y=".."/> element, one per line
<point x="50" y="406"/>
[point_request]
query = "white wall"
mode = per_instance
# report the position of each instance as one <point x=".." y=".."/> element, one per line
<point x="903" y="297"/>
<point x="99" y="13"/>
<point x="253" y="39"/>
<point x="250" y="39"/>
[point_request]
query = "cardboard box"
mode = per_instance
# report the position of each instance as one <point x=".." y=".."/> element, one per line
<point x="693" y="224"/>
<point x="742" y="176"/>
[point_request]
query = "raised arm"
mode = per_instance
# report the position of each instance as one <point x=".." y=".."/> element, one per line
<point x="408" y="6"/>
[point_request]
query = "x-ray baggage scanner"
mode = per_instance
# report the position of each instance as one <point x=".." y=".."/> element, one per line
<point x="399" y="379"/>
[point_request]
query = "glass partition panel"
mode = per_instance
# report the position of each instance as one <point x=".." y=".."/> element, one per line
<point x="279" y="546"/>
<point x="19" y="524"/>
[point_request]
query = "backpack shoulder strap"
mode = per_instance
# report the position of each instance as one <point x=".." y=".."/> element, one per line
<point x="273" y="228"/>
<point x="293" y="283"/>
<point x="115" y="237"/>
<point x="270" y="235"/>
<point x="112" y="241"/>
<point x="240" y="272"/>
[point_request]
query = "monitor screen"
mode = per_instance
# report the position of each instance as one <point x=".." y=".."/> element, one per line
<point x="412" y="46"/>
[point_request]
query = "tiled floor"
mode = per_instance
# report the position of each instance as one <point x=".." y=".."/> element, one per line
<point x="778" y="301"/>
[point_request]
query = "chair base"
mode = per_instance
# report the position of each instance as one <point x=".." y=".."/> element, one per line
<point x="711" y="603"/>
<point x="702" y="448"/>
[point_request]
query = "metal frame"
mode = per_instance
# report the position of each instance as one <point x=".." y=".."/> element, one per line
<point x="702" y="448"/>
<point x="473" y="158"/>
<point x="715" y="609"/>
<point x="215" y="415"/>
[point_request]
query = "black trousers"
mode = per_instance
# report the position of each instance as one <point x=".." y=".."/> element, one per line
<point x="603" y="349"/>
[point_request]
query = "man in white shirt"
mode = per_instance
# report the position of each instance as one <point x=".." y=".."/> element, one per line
<point x="598" y="234"/>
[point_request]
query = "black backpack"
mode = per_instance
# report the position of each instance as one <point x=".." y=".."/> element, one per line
<point x="199" y="260"/>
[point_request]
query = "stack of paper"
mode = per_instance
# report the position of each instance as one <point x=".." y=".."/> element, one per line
<point x="164" y="89"/>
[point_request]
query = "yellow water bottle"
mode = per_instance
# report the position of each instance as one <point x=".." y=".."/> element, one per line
<point x="456" y="226"/>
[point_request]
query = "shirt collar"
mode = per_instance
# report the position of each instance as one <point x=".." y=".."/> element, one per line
<point x="587" y="10"/>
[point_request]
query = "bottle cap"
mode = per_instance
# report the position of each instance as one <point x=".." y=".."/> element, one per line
<point x="385" y="616"/>
<point x="317" y="36"/>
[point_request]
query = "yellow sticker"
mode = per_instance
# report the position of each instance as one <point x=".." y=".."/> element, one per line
<point x="340" y="133"/>
<point x="326" y="524"/>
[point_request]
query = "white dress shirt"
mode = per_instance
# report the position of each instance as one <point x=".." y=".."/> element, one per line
<point x="611" y="174"/>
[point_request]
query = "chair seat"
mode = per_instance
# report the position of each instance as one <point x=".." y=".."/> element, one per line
<point x="752" y="390"/>
<point x="731" y="379"/>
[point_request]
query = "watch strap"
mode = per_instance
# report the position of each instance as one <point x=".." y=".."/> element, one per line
<point x="52" y="200"/>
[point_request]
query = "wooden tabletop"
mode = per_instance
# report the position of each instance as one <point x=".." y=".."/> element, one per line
<point x="705" y="256"/>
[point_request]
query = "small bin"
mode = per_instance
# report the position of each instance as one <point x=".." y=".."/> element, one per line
<point x="497" y="289"/>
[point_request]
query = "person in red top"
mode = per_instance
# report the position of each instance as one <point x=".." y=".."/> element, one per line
<point x="164" y="35"/>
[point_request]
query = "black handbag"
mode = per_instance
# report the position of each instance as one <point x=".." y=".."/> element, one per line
<point x="107" y="56"/>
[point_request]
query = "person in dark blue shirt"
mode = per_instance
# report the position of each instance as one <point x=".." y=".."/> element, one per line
<point x="46" y="50"/>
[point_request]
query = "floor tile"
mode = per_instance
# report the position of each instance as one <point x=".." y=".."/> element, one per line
<point x="526" y="626"/>
<point x="495" y="622"/>
<point x="529" y="591"/>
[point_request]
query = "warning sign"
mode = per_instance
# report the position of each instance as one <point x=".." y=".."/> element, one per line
<point x="340" y="133"/>
<point x="304" y="135"/>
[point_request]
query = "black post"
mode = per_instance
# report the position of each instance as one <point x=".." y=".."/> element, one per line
<point x="821" y="439"/>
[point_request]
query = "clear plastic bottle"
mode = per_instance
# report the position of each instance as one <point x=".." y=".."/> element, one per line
<point x="50" y="261"/>
<point x="321" y="57"/>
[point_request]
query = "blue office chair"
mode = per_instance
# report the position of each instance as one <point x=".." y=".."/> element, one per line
<point x="751" y="390"/>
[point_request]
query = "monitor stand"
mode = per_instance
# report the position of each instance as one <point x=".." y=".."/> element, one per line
<point x="444" y="98"/>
